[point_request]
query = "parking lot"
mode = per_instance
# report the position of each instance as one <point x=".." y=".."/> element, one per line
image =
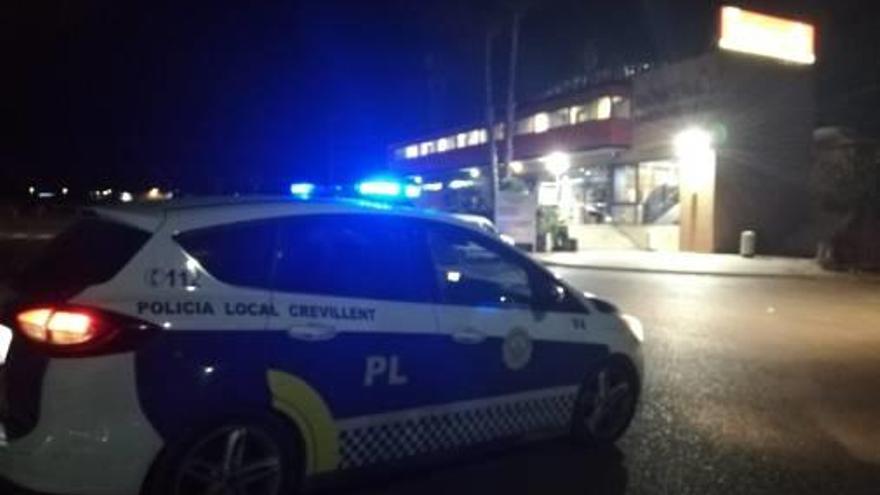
<point x="754" y="385"/>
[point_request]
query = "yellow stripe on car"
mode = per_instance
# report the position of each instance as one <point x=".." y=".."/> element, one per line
<point x="302" y="404"/>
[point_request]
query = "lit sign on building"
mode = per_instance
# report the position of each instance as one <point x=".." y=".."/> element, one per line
<point x="768" y="36"/>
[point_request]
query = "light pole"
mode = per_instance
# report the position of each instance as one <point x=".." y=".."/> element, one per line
<point x="490" y="129"/>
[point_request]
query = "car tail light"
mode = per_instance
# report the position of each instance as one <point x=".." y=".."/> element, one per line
<point x="77" y="328"/>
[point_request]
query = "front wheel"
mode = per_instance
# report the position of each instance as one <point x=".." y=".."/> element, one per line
<point x="239" y="458"/>
<point x="606" y="403"/>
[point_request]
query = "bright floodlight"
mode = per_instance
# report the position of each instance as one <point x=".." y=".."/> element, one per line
<point x="517" y="167"/>
<point x="557" y="163"/>
<point x="692" y="142"/>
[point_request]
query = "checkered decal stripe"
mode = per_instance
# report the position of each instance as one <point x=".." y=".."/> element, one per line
<point x="433" y="432"/>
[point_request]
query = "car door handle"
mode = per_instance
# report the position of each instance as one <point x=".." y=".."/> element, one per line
<point x="469" y="336"/>
<point x="312" y="332"/>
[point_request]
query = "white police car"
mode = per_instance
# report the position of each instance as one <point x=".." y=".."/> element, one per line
<point x="253" y="346"/>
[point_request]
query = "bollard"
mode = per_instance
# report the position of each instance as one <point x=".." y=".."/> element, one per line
<point x="747" y="240"/>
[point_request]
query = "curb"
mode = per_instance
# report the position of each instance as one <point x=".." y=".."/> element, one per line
<point x="796" y="276"/>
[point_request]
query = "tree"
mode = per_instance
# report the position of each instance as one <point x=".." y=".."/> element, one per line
<point x="846" y="180"/>
<point x="846" y="175"/>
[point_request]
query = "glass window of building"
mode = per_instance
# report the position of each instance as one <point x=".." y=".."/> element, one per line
<point x="658" y="186"/>
<point x="540" y="122"/>
<point x="578" y="114"/>
<point x="445" y="144"/>
<point x="411" y="151"/>
<point x="461" y="140"/>
<point x="560" y="118"/>
<point x="427" y="148"/>
<point x="620" y="107"/>
<point x="476" y="137"/>
<point x="603" y="108"/>
<point x="625" y="184"/>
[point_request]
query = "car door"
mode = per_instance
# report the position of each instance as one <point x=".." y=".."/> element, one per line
<point x="208" y="287"/>
<point x="497" y="312"/>
<point x="354" y="297"/>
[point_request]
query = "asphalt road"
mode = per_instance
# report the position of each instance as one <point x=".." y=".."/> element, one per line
<point x="753" y="386"/>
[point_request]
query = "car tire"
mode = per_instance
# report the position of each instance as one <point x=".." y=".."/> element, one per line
<point x="606" y="403"/>
<point x="263" y="455"/>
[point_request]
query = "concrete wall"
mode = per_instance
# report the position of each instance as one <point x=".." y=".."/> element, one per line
<point x="765" y="161"/>
<point x="760" y="112"/>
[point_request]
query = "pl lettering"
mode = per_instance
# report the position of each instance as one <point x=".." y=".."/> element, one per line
<point x="381" y="369"/>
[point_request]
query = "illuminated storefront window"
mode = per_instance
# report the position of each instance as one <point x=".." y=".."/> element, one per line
<point x="476" y="137"/>
<point x="541" y="122"/>
<point x="445" y="144"/>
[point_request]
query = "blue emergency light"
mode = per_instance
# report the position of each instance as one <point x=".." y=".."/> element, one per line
<point x="388" y="189"/>
<point x="302" y="189"/>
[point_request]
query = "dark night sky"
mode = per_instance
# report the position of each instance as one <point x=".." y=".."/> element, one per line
<point x="233" y="95"/>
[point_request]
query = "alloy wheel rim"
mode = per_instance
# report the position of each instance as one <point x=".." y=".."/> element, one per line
<point x="231" y="461"/>
<point x="609" y="403"/>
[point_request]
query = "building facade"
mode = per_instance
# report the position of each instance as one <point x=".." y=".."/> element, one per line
<point x="682" y="156"/>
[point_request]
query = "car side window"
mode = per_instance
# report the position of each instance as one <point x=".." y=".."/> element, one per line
<point x="471" y="271"/>
<point x="351" y="255"/>
<point x="240" y="253"/>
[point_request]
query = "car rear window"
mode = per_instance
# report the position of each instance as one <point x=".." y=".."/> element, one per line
<point x="90" y="252"/>
<point x="239" y="254"/>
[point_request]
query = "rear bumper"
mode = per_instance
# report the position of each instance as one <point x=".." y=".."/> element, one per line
<point x="91" y="437"/>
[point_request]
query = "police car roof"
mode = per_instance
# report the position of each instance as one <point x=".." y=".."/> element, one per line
<point x="206" y="211"/>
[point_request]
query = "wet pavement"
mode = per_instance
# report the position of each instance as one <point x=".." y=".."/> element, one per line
<point x="753" y="386"/>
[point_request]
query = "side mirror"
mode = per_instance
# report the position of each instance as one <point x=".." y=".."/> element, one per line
<point x="550" y="296"/>
<point x="558" y="293"/>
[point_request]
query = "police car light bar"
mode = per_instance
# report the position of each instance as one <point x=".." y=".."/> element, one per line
<point x="388" y="189"/>
<point x="302" y="189"/>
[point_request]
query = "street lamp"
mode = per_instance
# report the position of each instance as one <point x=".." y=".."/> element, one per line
<point x="695" y="155"/>
<point x="557" y="163"/>
<point x="693" y="142"/>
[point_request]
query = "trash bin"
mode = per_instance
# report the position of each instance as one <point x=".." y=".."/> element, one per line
<point x="747" y="240"/>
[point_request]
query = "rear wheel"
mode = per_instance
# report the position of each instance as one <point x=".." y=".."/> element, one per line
<point x="239" y="458"/>
<point x="606" y="403"/>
